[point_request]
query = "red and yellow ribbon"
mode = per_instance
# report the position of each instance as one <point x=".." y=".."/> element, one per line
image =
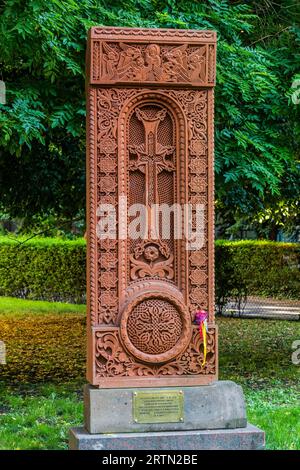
<point x="202" y="329"/>
<point x="201" y="320"/>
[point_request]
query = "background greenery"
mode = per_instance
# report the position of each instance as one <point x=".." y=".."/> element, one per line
<point x="54" y="269"/>
<point x="45" y="268"/>
<point x="42" y="185"/>
<point x="42" y="126"/>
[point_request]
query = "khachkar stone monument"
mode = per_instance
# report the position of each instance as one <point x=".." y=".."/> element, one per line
<point x="152" y="371"/>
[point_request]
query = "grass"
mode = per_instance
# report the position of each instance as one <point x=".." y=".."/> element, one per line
<point x="276" y="411"/>
<point x="12" y="306"/>
<point x="39" y="241"/>
<point x="254" y="353"/>
<point x="257" y="352"/>
<point x="38" y="417"/>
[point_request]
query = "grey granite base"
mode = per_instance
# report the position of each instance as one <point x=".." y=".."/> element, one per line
<point x="248" y="438"/>
<point x="219" y="405"/>
<point x="214" y="417"/>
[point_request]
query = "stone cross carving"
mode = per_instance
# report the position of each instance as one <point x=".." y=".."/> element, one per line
<point x="151" y="155"/>
<point x="150" y="139"/>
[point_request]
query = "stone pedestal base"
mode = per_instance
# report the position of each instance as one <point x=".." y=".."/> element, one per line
<point x="220" y="405"/>
<point x="248" y="438"/>
<point x="213" y="417"/>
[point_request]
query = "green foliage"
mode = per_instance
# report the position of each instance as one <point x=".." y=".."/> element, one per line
<point x="257" y="353"/>
<point x="277" y="412"/>
<point x="42" y="134"/>
<point x="10" y="305"/>
<point x="54" y="269"/>
<point x="257" y="268"/>
<point x="39" y="417"/>
<point x="43" y="268"/>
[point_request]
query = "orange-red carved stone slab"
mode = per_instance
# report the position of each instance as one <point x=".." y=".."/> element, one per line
<point x="150" y="143"/>
<point x="152" y="56"/>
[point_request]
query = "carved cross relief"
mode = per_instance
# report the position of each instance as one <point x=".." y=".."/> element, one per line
<point x="150" y="138"/>
<point x="150" y="158"/>
<point x="151" y="155"/>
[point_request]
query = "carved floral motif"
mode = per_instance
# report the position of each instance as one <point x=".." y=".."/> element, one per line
<point x="108" y="280"/>
<point x="107" y="146"/>
<point x="162" y="269"/>
<point x="107" y="184"/>
<point x="108" y="261"/>
<point x="151" y="253"/>
<point x="198" y="277"/>
<point x="198" y="184"/>
<point x="198" y="166"/>
<point x="198" y="147"/>
<point x="198" y="258"/>
<point x="113" y="361"/>
<point x="199" y="296"/>
<point x="107" y="165"/>
<point x="144" y="261"/>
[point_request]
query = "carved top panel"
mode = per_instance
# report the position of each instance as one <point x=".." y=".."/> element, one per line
<point x="192" y="35"/>
<point x="152" y="56"/>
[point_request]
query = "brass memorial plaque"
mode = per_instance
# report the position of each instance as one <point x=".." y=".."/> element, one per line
<point x="158" y="407"/>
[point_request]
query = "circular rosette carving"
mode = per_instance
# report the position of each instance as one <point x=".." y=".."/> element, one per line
<point x="155" y="327"/>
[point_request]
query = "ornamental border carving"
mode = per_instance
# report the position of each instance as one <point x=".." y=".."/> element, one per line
<point x="165" y="34"/>
<point x="91" y="171"/>
<point x="188" y="49"/>
<point x="114" y="365"/>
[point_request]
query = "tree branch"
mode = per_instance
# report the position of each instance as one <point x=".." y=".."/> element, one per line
<point x="269" y="35"/>
<point x="42" y="232"/>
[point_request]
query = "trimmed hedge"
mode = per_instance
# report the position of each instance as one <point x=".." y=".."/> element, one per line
<point x="265" y="268"/>
<point x="45" y="268"/>
<point x="54" y="269"/>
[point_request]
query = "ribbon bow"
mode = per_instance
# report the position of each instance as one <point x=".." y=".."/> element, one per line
<point x="201" y="320"/>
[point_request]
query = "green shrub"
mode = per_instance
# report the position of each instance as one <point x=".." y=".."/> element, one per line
<point x="54" y="269"/>
<point x="45" y="268"/>
<point x="257" y="268"/>
<point x="229" y="284"/>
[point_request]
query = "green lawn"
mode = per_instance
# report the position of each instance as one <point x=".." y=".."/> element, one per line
<point x="276" y="411"/>
<point x="254" y="353"/>
<point x="12" y="306"/>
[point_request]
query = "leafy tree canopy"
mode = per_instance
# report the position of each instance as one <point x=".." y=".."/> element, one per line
<point x="42" y="138"/>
